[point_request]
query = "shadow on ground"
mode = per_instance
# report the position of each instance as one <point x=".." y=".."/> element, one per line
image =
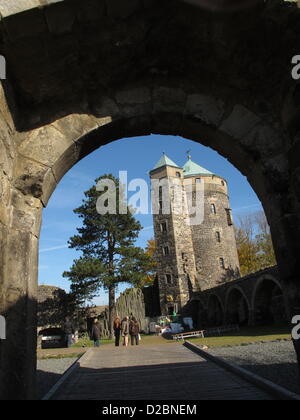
<point x="45" y="381"/>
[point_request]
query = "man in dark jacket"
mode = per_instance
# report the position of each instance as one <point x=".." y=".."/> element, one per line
<point x="96" y="333"/>
<point x="134" y="330"/>
<point x="125" y="330"/>
<point x="68" y="330"/>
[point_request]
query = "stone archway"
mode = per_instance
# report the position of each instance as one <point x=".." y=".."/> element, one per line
<point x="268" y="302"/>
<point x="215" y="311"/>
<point x="81" y="74"/>
<point x="237" y="307"/>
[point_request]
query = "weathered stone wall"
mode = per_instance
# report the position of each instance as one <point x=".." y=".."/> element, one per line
<point x="52" y="307"/>
<point x="130" y="302"/>
<point x="19" y="230"/>
<point x="83" y="73"/>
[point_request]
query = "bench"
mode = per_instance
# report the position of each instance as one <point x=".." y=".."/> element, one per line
<point x="182" y="336"/>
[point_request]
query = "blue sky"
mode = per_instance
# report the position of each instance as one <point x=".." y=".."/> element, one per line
<point x="136" y="156"/>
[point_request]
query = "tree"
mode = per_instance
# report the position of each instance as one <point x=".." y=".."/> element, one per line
<point x="106" y="241"/>
<point x="150" y="251"/>
<point x="247" y="252"/>
<point x="254" y="243"/>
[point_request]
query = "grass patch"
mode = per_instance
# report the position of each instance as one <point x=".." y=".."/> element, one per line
<point x="86" y="342"/>
<point x="60" y="356"/>
<point x="245" y="336"/>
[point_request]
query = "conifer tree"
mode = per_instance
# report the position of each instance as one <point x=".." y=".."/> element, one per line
<point x="107" y="242"/>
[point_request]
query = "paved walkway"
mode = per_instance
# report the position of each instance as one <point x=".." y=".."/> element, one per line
<point x="168" y="372"/>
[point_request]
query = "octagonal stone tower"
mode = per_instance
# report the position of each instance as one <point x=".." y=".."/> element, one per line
<point x="191" y="257"/>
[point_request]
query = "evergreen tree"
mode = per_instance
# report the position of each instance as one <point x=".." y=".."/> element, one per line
<point x="109" y="256"/>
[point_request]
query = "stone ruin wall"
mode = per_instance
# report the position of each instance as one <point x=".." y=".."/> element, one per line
<point x="130" y="302"/>
<point x="51" y="307"/>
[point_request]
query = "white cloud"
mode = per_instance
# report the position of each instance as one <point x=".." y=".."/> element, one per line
<point x="54" y="248"/>
<point x="148" y="228"/>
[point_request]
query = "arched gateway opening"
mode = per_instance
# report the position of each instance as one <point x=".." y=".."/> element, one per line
<point x="81" y="75"/>
<point x="237" y="308"/>
<point x="268" y="303"/>
<point x="215" y="311"/>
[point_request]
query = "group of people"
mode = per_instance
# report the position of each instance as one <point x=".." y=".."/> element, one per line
<point x="127" y="328"/>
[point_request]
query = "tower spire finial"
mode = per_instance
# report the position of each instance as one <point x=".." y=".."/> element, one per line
<point x="189" y="156"/>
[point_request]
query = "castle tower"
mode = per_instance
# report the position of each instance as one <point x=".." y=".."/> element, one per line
<point x="175" y="254"/>
<point x="213" y="240"/>
<point x="191" y="257"/>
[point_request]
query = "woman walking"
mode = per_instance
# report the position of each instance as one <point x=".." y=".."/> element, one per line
<point x="134" y="330"/>
<point x="125" y="330"/>
<point x="117" y="330"/>
<point x="96" y="333"/>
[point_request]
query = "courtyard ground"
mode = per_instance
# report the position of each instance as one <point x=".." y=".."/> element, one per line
<point x="265" y="351"/>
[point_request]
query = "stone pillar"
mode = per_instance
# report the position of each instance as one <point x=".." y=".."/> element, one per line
<point x="18" y="290"/>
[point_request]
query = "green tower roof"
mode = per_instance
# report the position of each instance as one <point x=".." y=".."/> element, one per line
<point x="165" y="161"/>
<point x="193" y="169"/>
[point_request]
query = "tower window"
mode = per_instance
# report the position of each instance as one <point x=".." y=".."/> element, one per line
<point x="178" y="174"/>
<point x="166" y="250"/>
<point x="222" y="263"/>
<point x="164" y="227"/>
<point x="169" y="278"/>
<point x="229" y="217"/>
<point x="194" y="199"/>
<point x="218" y="236"/>
<point x="213" y="209"/>
<point x="160" y="207"/>
<point x="223" y="183"/>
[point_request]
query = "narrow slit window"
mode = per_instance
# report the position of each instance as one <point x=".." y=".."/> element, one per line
<point x="169" y="278"/>
<point x="213" y="209"/>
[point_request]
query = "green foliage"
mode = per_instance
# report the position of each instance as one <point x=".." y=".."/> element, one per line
<point x="254" y="243"/>
<point x="151" y="249"/>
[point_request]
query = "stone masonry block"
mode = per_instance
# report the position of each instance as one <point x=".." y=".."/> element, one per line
<point x="25" y="25"/>
<point x="206" y="108"/>
<point x="60" y="18"/>
<point x="167" y="99"/>
<point x="121" y="8"/>
<point x="240" y="122"/>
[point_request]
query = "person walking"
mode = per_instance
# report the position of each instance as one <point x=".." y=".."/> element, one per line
<point x="134" y="330"/>
<point x="96" y="333"/>
<point x="68" y="329"/>
<point x="125" y="330"/>
<point x="117" y="330"/>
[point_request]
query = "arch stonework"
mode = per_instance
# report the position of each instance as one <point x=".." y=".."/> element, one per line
<point x="262" y="279"/>
<point x="244" y="297"/>
<point x="214" y="301"/>
<point x="272" y="313"/>
<point x="82" y="74"/>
